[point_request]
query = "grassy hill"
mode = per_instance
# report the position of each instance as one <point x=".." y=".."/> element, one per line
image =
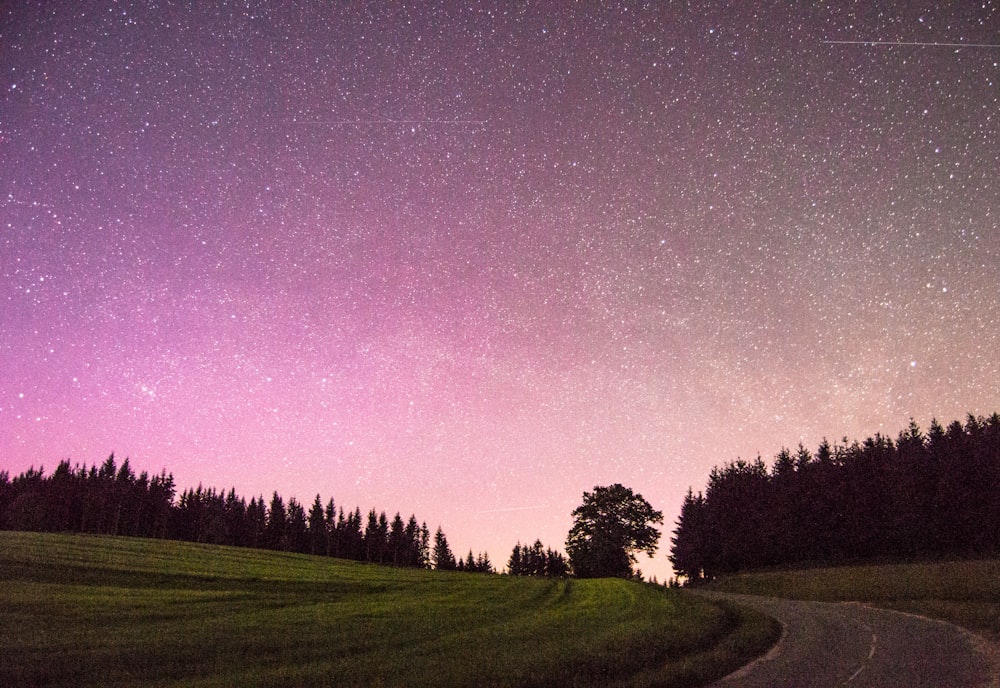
<point x="86" y="610"/>
<point x="966" y="593"/>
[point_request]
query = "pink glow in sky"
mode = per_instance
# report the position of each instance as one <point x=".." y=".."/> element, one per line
<point x="468" y="261"/>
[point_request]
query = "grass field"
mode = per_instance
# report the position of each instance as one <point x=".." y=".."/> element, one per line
<point x="966" y="593"/>
<point x="84" y="610"/>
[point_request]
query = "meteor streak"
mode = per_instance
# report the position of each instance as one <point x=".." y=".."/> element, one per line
<point x="936" y="45"/>
<point x="389" y="121"/>
<point x="512" y="508"/>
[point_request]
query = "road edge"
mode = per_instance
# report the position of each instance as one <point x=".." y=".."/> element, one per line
<point x="988" y="649"/>
<point x="773" y="652"/>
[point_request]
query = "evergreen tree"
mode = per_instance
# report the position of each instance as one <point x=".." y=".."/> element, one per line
<point x="536" y="560"/>
<point x="424" y="551"/>
<point x="256" y="522"/>
<point x="556" y="565"/>
<point x="353" y="537"/>
<point x="411" y="537"/>
<point x="317" y="527"/>
<point x="330" y="528"/>
<point x="483" y="563"/>
<point x="688" y="553"/>
<point x="112" y="499"/>
<point x="237" y="525"/>
<point x="920" y="496"/>
<point x="397" y="542"/>
<point x="376" y="536"/>
<point x="274" y="535"/>
<point x="296" y="528"/>
<point x="444" y="560"/>
<point x="514" y="563"/>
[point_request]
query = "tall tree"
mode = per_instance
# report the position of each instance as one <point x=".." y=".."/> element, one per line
<point x="412" y="538"/>
<point x="317" y="527"/>
<point x="515" y="566"/>
<point x="256" y="521"/>
<point x="330" y="526"/>
<point x="444" y="560"/>
<point x="483" y="563"/>
<point x="276" y="523"/>
<point x="609" y="528"/>
<point x="376" y="537"/>
<point x="688" y="554"/>
<point x="296" y="530"/>
<point x="397" y="541"/>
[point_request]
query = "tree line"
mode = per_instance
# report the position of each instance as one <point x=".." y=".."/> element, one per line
<point x="610" y="527"/>
<point x="537" y="560"/>
<point x="112" y="500"/>
<point x="922" y="495"/>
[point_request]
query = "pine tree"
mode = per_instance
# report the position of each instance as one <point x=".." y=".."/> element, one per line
<point x="397" y="541"/>
<point x="411" y="537"/>
<point x="256" y="522"/>
<point x="376" y="537"/>
<point x="514" y="566"/>
<point x="483" y="563"/>
<point x="274" y="535"/>
<point x="556" y="565"/>
<point x="330" y="527"/>
<point x="444" y="560"/>
<point x="296" y="533"/>
<point x="687" y="555"/>
<point x="424" y="551"/>
<point x="317" y="527"/>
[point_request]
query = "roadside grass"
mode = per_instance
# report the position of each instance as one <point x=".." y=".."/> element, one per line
<point x="966" y="593"/>
<point x="82" y="610"/>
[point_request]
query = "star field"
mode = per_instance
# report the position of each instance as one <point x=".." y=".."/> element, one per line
<point x="470" y="260"/>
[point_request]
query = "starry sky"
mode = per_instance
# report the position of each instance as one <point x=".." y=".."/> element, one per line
<point x="468" y="260"/>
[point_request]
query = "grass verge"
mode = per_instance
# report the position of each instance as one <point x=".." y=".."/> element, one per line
<point x="85" y="610"/>
<point x="966" y="593"/>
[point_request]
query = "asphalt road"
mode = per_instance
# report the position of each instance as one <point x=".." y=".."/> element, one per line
<point x="853" y="645"/>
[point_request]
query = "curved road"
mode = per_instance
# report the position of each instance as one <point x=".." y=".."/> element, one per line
<point x="853" y="645"/>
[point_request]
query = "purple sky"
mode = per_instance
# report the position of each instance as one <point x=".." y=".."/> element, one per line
<point x="468" y="260"/>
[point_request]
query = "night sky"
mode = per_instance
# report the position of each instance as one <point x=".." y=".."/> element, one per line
<point x="468" y="260"/>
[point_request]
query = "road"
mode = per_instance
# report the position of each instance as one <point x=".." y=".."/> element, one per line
<point x="854" y="645"/>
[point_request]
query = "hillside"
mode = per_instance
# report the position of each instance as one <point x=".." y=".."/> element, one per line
<point x="94" y="610"/>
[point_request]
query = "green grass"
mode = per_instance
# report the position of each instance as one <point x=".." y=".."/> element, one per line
<point x="966" y="593"/>
<point x="84" y="610"/>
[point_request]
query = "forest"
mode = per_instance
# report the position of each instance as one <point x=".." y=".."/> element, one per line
<point x="930" y="495"/>
<point x="112" y="500"/>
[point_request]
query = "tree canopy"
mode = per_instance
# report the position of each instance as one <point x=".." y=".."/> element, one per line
<point x="921" y="496"/>
<point x="609" y="528"/>
<point x="112" y="500"/>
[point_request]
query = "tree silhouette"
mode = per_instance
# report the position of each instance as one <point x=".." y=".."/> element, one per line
<point x="536" y="560"/>
<point x="919" y="496"/>
<point x="109" y="499"/>
<point x="443" y="557"/>
<point x="687" y="555"/>
<point x="317" y="527"/>
<point x="609" y="528"/>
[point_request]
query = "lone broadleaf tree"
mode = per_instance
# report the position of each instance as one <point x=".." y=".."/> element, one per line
<point x="609" y="528"/>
